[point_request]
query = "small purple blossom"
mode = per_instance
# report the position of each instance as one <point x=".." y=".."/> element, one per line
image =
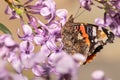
<point x="11" y="12"/>
<point x="99" y="75"/>
<point x="113" y="21"/>
<point x="40" y="39"/>
<point x="7" y="45"/>
<point x="18" y="77"/>
<point x="26" y="47"/>
<point x="27" y="54"/>
<point x="62" y="14"/>
<point x="66" y="71"/>
<point x="37" y="70"/>
<point x="86" y="4"/>
<point x="100" y="22"/>
<point x="28" y="34"/>
<point x="115" y="3"/>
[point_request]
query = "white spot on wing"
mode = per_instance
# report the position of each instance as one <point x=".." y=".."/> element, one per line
<point x="80" y="36"/>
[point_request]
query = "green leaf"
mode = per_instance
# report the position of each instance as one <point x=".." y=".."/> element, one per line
<point x="4" y="29"/>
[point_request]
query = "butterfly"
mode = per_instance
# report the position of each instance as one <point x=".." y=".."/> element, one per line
<point x="87" y="39"/>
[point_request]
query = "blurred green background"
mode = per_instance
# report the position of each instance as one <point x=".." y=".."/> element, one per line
<point x="107" y="60"/>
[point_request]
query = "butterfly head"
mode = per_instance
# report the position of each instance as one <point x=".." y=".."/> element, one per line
<point x="71" y="19"/>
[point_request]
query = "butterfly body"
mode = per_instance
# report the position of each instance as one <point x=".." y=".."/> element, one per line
<point x="84" y="38"/>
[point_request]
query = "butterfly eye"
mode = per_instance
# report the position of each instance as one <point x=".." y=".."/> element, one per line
<point x="76" y="27"/>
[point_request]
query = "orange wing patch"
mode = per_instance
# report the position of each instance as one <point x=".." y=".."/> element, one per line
<point x="84" y="34"/>
<point x="90" y="58"/>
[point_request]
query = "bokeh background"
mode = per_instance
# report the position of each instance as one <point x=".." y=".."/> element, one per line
<point x="107" y="60"/>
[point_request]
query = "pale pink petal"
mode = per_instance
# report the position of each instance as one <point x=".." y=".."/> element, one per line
<point x="37" y="70"/>
<point x="27" y="29"/>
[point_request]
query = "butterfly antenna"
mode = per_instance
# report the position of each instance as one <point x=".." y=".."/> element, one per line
<point x="79" y="14"/>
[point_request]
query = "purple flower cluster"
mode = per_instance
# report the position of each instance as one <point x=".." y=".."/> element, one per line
<point x="50" y="58"/>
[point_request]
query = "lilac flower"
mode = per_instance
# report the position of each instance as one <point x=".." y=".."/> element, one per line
<point x="8" y="52"/>
<point x="5" y="75"/>
<point x="66" y="71"/>
<point x="45" y="11"/>
<point x="50" y="5"/>
<point x="28" y="34"/>
<point x="51" y="44"/>
<point x="16" y="64"/>
<point x="26" y="47"/>
<point x="33" y="23"/>
<point x="46" y="8"/>
<point x="54" y="28"/>
<point x="27" y="54"/>
<point x="113" y="21"/>
<point x="7" y="45"/>
<point x="37" y="70"/>
<point x="100" y="22"/>
<point x="42" y="71"/>
<point x="27" y="30"/>
<point x="18" y="77"/>
<point x="62" y="14"/>
<point x="115" y="3"/>
<point x="40" y="39"/>
<point x="15" y="61"/>
<point x="86" y="4"/>
<point x="99" y="75"/>
<point x="42" y="55"/>
<point x="49" y="47"/>
<point x="11" y="12"/>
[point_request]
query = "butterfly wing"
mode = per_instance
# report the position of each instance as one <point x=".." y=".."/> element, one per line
<point x="98" y="37"/>
<point x="87" y="39"/>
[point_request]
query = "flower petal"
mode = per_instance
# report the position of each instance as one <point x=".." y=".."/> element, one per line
<point x="99" y="22"/>
<point x="27" y="29"/>
<point x="98" y="75"/>
<point x="62" y="13"/>
<point x="37" y="70"/>
<point x="27" y="60"/>
<point x="26" y="46"/>
<point x="39" y="39"/>
<point x="79" y="58"/>
<point x="45" y="11"/>
<point x="17" y="65"/>
<point x="86" y="4"/>
<point x="9" y="41"/>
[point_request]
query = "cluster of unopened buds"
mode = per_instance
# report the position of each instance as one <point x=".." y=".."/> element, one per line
<point x="50" y="58"/>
